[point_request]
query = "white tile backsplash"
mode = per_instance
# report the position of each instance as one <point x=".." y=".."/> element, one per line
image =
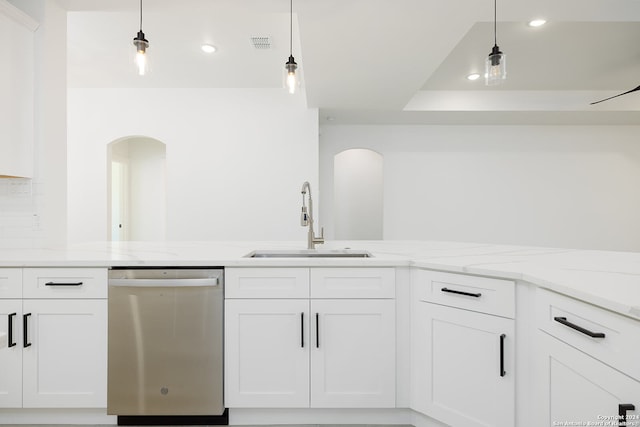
<point x="21" y="202"/>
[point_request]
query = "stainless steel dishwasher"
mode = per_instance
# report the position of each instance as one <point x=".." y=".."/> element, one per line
<point x="165" y="345"/>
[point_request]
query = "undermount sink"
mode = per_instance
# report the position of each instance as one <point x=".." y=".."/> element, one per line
<point x="310" y="253"/>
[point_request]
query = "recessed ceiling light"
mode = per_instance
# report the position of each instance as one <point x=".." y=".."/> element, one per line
<point x="474" y="76"/>
<point x="208" y="48"/>
<point x="537" y="22"/>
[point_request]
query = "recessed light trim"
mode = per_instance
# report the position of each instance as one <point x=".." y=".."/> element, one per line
<point x="208" y="48"/>
<point x="473" y="76"/>
<point x="537" y="22"/>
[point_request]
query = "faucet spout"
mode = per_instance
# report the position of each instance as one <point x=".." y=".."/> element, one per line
<point x="306" y="218"/>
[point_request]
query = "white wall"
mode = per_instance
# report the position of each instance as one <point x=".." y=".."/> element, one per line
<point x="560" y="186"/>
<point x="235" y="159"/>
<point x="33" y="212"/>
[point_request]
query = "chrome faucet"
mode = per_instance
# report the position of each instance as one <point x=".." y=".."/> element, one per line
<point x="306" y="219"/>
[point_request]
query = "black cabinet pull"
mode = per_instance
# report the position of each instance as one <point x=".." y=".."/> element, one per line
<point x="317" y="330"/>
<point x="63" y="284"/>
<point x="565" y="322"/>
<point x="622" y="412"/>
<point x="502" y="372"/>
<point x="10" y="330"/>
<point x="469" y="294"/>
<point x="302" y="329"/>
<point x="25" y="330"/>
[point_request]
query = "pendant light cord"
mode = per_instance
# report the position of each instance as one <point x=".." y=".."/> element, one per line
<point x="290" y="27"/>
<point x="140" y="15"/>
<point x="495" y="25"/>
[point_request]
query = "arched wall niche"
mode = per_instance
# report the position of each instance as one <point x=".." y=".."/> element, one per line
<point x="358" y="195"/>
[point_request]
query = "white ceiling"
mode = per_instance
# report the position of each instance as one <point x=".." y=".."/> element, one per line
<point x="378" y="61"/>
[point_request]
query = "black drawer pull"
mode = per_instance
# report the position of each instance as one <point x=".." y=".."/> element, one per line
<point x="25" y="330"/>
<point x="565" y="322"/>
<point x="469" y="294"/>
<point x="622" y="412"/>
<point x="502" y="372"/>
<point x="63" y="284"/>
<point x="12" y="343"/>
<point x="302" y="329"/>
<point x="317" y="330"/>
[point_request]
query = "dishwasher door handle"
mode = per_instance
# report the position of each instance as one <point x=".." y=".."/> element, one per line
<point x="167" y="283"/>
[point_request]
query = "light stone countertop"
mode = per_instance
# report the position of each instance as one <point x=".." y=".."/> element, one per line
<point x="604" y="278"/>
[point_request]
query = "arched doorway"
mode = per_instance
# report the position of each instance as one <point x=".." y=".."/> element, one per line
<point x="358" y="195"/>
<point x="136" y="182"/>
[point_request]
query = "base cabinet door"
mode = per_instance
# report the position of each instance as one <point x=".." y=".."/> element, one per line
<point x="463" y="366"/>
<point x="353" y="353"/>
<point x="580" y="390"/>
<point x="267" y="353"/>
<point x="11" y="354"/>
<point x="65" y="354"/>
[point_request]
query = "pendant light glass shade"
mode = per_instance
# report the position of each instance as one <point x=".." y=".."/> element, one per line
<point x="495" y="67"/>
<point x="291" y="79"/>
<point x="495" y="70"/>
<point x="141" y="44"/>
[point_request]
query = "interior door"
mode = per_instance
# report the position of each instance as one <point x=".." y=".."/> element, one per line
<point x="119" y="201"/>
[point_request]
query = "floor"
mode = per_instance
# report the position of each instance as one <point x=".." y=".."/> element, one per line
<point x="288" y="425"/>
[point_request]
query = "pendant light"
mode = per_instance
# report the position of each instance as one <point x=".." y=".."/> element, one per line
<point x="141" y="45"/>
<point x="496" y="63"/>
<point x="291" y="79"/>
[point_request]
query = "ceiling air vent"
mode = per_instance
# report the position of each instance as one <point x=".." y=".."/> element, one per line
<point x="261" y="42"/>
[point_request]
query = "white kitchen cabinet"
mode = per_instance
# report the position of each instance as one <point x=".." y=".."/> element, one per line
<point x="17" y="88"/>
<point x="589" y="362"/>
<point x="564" y="317"/>
<point x="353" y="353"/>
<point x="267" y="353"/>
<point x="356" y="283"/>
<point x="462" y="361"/>
<point x="269" y="282"/>
<point x="11" y="355"/>
<point x="579" y="389"/>
<point x="65" y="364"/>
<point x="321" y="353"/>
<point x="66" y="283"/>
<point x="58" y="356"/>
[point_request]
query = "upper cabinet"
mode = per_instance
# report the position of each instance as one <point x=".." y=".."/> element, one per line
<point x="16" y="91"/>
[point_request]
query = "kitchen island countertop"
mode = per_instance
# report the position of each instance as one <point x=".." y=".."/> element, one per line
<point x="604" y="278"/>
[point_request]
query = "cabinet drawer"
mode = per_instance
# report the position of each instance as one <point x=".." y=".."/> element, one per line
<point x="617" y="348"/>
<point x="10" y="283"/>
<point x="481" y="294"/>
<point x="266" y="283"/>
<point x="65" y="283"/>
<point x="353" y="283"/>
